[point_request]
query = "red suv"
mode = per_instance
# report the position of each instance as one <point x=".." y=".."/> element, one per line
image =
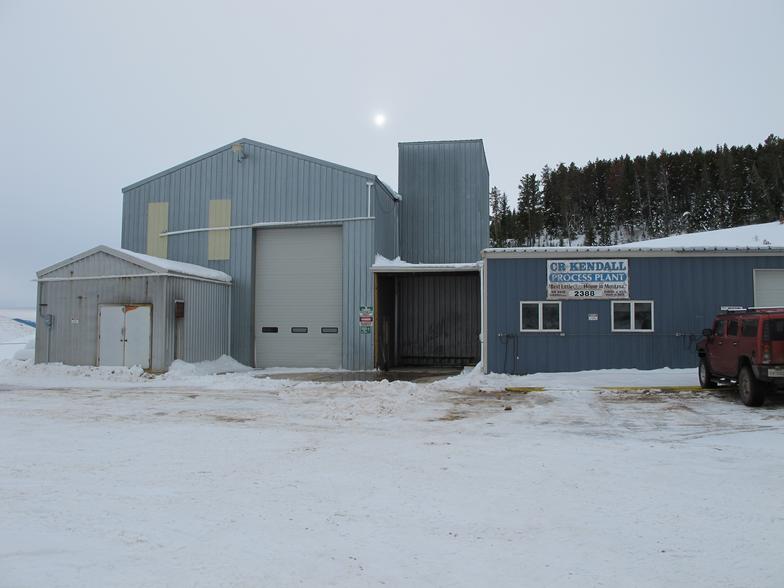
<point x="745" y="345"/>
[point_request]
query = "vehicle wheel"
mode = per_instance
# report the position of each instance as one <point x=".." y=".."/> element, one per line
<point x="751" y="390"/>
<point x="706" y="378"/>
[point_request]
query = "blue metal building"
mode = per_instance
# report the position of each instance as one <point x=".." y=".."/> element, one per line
<point x="587" y="308"/>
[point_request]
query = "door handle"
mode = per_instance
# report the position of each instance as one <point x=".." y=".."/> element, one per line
<point x="734" y="343"/>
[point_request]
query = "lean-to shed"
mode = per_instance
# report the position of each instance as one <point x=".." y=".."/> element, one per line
<point x="113" y="307"/>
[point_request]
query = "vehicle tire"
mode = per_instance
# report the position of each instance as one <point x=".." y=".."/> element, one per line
<point x="704" y="373"/>
<point x="751" y="390"/>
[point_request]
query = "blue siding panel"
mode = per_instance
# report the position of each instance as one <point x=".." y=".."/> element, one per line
<point x="687" y="293"/>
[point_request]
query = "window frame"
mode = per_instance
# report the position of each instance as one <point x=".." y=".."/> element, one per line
<point x="539" y="304"/>
<point x="631" y="329"/>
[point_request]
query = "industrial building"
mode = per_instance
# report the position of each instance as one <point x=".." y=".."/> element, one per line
<point x="298" y="237"/>
<point x="626" y="306"/>
<point x="113" y="307"/>
<point x="283" y="260"/>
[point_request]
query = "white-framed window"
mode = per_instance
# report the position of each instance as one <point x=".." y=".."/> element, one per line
<point x="632" y="316"/>
<point x="540" y="316"/>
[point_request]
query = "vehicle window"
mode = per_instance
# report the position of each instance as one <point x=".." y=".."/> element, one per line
<point x="718" y="329"/>
<point x="773" y="330"/>
<point x="749" y="328"/>
<point x="732" y="328"/>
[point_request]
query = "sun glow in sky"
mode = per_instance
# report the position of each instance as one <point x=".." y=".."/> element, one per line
<point x="380" y="119"/>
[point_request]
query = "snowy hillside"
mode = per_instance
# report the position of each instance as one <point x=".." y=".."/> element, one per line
<point x="14" y="335"/>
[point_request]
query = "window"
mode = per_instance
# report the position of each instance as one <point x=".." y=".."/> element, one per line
<point x="540" y="316"/>
<point x="732" y="329"/>
<point x="749" y="328"/>
<point x="718" y="329"/>
<point x="632" y="316"/>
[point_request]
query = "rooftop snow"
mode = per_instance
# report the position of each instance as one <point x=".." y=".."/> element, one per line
<point x="382" y="264"/>
<point x="760" y="237"/>
<point x="155" y="264"/>
<point x="179" y="267"/>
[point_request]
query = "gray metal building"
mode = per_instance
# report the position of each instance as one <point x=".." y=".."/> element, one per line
<point x="298" y="236"/>
<point x="113" y="307"/>
<point x="445" y="214"/>
<point x="587" y="308"/>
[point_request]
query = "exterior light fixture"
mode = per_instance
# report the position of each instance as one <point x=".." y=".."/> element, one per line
<point x="238" y="150"/>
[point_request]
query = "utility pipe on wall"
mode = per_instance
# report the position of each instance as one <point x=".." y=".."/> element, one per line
<point x="369" y="186"/>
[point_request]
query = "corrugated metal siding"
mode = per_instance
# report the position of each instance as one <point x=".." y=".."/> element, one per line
<point x="206" y="327"/>
<point x="77" y="343"/>
<point x="439" y="319"/>
<point x="72" y="343"/>
<point x="445" y="211"/>
<point x="687" y="293"/>
<point x="386" y="210"/>
<point x="267" y="186"/>
<point x="97" y="264"/>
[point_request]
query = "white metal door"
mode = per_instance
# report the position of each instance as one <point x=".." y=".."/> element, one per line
<point x="124" y="335"/>
<point x="768" y="287"/>
<point x="137" y="336"/>
<point x="111" y="345"/>
<point x="299" y="297"/>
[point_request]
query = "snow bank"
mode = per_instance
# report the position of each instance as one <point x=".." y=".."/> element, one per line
<point x="586" y="380"/>
<point x="224" y="364"/>
<point x="27" y="353"/>
<point x="61" y="375"/>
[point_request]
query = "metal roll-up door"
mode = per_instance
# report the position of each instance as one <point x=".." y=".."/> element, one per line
<point x="298" y="299"/>
<point x="768" y="287"/>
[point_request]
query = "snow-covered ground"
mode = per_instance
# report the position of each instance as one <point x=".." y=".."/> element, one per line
<point x="15" y="336"/>
<point x="112" y="478"/>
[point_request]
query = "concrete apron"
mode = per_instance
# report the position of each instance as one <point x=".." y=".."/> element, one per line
<point x="417" y="375"/>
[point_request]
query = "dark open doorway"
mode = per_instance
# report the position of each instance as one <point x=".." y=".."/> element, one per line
<point x="427" y="319"/>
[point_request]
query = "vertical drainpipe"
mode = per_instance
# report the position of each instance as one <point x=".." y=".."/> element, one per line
<point x="369" y="186"/>
<point x="483" y="312"/>
<point x="228" y="347"/>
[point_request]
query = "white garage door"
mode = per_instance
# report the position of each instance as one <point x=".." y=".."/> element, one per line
<point x="768" y="287"/>
<point x="299" y="297"/>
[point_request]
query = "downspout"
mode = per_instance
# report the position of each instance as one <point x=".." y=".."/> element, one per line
<point x="229" y="344"/>
<point x="369" y="186"/>
<point x="483" y="313"/>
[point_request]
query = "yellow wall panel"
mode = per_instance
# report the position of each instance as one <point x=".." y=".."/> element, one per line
<point x="157" y="223"/>
<point x="219" y="242"/>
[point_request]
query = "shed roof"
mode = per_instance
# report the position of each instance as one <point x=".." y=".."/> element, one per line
<point x="155" y="265"/>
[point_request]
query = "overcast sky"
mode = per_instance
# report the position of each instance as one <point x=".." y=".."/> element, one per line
<point x="97" y="95"/>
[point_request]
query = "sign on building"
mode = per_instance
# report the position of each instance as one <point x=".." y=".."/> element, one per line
<point x="592" y="279"/>
<point x="365" y="319"/>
